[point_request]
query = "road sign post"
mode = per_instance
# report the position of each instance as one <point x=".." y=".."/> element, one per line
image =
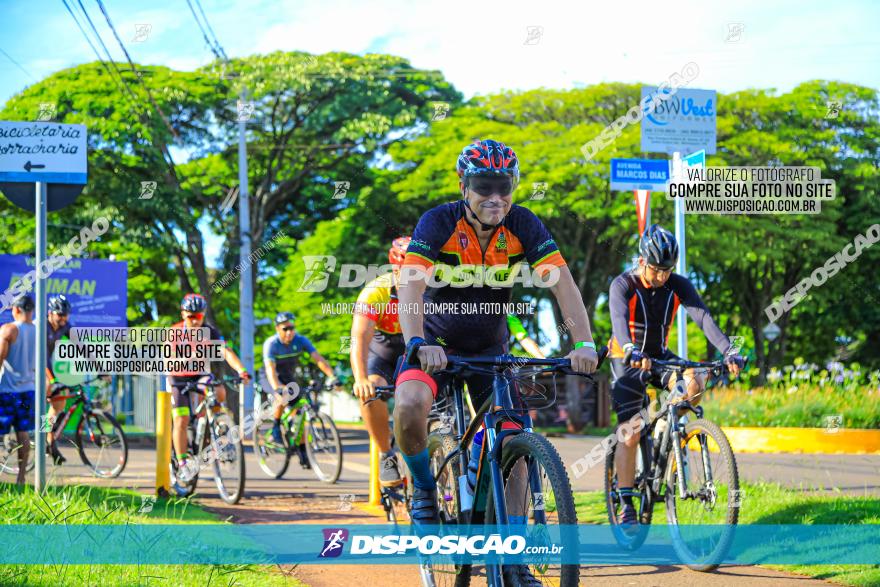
<point x="41" y="322"/>
<point x="53" y="158"/>
<point x="683" y="121"/>
<point x="680" y="166"/>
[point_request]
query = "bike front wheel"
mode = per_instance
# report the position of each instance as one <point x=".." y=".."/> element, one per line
<point x="102" y="445"/>
<point x="228" y="457"/>
<point x="323" y="446"/>
<point x="274" y="458"/>
<point x="538" y="492"/>
<point x="702" y="522"/>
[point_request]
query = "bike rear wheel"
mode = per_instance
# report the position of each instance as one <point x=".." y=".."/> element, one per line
<point x="536" y="486"/>
<point x="102" y="444"/>
<point x="9" y="453"/>
<point x="633" y="538"/>
<point x="273" y="458"/>
<point x="702" y="523"/>
<point x="228" y="457"/>
<point x="323" y="446"/>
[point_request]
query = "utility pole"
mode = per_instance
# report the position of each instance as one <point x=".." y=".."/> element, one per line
<point x="246" y="292"/>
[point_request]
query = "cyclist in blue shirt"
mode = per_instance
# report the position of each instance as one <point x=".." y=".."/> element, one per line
<point x="281" y="354"/>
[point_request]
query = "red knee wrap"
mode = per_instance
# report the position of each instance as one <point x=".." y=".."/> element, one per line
<point x="418" y="375"/>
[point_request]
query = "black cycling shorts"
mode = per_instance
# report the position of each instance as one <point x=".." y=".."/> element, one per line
<point x="628" y="392"/>
<point x="181" y="403"/>
<point x="381" y="366"/>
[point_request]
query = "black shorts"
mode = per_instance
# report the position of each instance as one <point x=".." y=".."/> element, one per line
<point x="628" y="390"/>
<point x="378" y="365"/>
<point x="479" y="386"/>
<point x="181" y="403"/>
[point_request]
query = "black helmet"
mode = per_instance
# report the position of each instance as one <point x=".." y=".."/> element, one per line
<point x="59" y="305"/>
<point x="282" y="317"/>
<point x="24" y="303"/>
<point x="658" y="247"/>
<point x="194" y="303"/>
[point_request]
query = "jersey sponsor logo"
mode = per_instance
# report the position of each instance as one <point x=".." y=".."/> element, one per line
<point x="501" y="243"/>
<point x="419" y="244"/>
<point x="463" y="239"/>
<point x="546" y="244"/>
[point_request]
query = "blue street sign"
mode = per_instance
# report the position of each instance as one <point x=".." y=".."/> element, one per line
<point x="639" y="174"/>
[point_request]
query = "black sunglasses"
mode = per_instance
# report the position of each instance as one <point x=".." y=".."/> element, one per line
<point x="287" y="328"/>
<point x="487" y="187"/>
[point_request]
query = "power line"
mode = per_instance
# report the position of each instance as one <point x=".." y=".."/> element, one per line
<point x="18" y="65"/>
<point x="208" y="24"/>
<point x="119" y="82"/>
<point x="215" y="47"/>
<point x="131" y="63"/>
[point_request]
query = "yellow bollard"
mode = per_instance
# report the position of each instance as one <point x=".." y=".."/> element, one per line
<point x="163" y="443"/>
<point x="375" y="490"/>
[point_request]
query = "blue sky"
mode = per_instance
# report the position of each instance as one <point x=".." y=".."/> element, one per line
<point x="481" y="46"/>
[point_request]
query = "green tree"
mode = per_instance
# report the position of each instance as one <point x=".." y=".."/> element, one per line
<point x="315" y="120"/>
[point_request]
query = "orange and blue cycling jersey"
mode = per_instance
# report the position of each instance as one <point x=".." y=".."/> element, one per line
<point x="378" y="302"/>
<point x="446" y="245"/>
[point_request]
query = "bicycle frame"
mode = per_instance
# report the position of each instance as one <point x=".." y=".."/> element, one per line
<point x="655" y="471"/>
<point x="203" y="408"/>
<point x="81" y="398"/>
<point x="296" y="423"/>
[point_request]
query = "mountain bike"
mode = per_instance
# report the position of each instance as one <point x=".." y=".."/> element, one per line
<point x="396" y="500"/>
<point x="214" y="439"/>
<point x="699" y="484"/>
<point x="99" y="438"/>
<point x="520" y="472"/>
<point x="302" y="424"/>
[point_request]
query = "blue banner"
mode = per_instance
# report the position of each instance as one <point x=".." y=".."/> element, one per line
<point x="439" y="545"/>
<point x="97" y="289"/>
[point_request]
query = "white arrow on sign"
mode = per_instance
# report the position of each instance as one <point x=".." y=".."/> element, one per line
<point x="43" y="151"/>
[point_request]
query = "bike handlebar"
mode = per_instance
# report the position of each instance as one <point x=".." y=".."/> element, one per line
<point x="456" y="364"/>
<point x="678" y="364"/>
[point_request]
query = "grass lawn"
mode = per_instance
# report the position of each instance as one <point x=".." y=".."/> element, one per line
<point x="95" y="505"/>
<point x="770" y="503"/>
<point x="560" y="430"/>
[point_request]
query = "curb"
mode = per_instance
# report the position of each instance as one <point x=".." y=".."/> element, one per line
<point x="804" y="440"/>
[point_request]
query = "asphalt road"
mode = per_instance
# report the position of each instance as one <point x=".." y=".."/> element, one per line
<point x="300" y="498"/>
<point x="849" y="474"/>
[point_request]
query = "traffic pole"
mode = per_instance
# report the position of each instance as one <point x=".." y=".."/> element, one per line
<point x="681" y="266"/>
<point x="163" y="443"/>
<point x="375" y="489"/>
<point x="40" y="314"/>
<point x="246" y="293"/>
